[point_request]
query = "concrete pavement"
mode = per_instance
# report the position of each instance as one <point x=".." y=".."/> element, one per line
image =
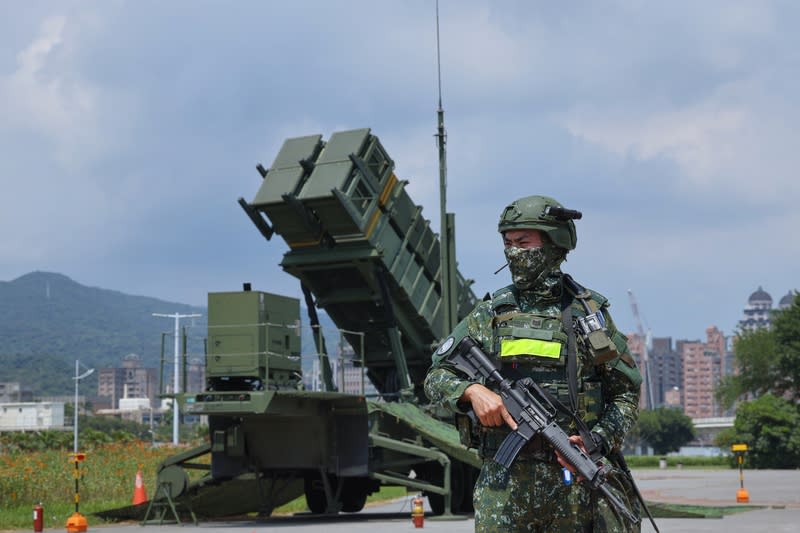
<point x="774" y="498"/>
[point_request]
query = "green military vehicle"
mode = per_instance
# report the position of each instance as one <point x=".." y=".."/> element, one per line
<point x="363" y="252"/>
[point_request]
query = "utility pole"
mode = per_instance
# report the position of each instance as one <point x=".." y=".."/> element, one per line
<point x="176" y="384"/>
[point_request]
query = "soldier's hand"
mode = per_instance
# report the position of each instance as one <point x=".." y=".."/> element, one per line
<point x="578" y="441"/>
<point x="488" y="406"/>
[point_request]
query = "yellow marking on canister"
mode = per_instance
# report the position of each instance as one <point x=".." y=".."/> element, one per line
<point x="387" y="189"/>
<point x="372" y="223"/>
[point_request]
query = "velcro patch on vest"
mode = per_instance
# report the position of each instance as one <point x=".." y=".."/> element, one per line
<point x="530" y="347"/>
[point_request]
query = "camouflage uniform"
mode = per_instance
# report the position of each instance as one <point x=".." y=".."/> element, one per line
<point x="532" y="495"/>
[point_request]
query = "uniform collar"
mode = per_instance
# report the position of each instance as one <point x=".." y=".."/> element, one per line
<point x="548" y="291"/>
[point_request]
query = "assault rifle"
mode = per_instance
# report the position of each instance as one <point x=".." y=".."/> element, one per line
<point x="535" y="415"/>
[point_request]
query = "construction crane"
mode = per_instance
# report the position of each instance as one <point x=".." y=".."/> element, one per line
<point x="646" y="346"/>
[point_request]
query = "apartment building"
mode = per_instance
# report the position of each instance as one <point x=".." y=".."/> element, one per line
<point x="702" y="370"/>
<point x="664" y="366"/>
<point x="129" y="381"/>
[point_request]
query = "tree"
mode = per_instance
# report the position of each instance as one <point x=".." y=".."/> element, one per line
<point x="755" y="353"/>
<point x="665" y="429"/>
<point x="767" y="425"/>
<point x="768" y="360"/>
<point x="786" y="327"/>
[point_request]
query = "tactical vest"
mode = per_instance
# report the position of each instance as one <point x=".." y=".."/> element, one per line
<point x="536" y="344"/>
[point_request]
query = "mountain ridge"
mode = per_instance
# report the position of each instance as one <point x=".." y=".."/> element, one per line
<point x="48" y="320"/>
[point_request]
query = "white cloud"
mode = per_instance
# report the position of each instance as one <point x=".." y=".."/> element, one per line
<point x="56" y="126"/>
<point x="47" y="100"/>
<point x="482" y="53"/>
<point x="737" y="144"/>
<point x="690" y="136"/>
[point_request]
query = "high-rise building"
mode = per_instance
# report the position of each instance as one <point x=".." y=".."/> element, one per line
<point x="129" y="381"/>
<point x="664" y="367"/>
<point x="689" y="373"/>
<point x="702" y="370"/>
<point x="636" y="344"/>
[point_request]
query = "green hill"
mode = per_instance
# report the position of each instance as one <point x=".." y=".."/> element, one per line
<point x="47" y="321"/>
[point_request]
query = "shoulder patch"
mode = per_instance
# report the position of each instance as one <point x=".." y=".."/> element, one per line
<point x="446" y="345"/>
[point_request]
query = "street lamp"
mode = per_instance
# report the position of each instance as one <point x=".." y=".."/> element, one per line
<point x="176" y="384"/>
<point x="77" y="522"/>
<point x="77" y="378"/>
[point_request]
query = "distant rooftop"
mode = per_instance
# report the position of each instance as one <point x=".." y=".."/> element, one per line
<point x="787" y="300"/>
<point x="760" y="296"/>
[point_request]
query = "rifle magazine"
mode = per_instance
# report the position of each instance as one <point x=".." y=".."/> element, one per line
<point x="509" y="449"/>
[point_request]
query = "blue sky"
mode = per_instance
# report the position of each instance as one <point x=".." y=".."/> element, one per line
<point x="129" y="129"/>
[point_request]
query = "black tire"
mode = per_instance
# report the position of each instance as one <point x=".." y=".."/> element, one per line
<point x="315" y="495"/>
<point x="353" y="498"/>
<point x="460" y="490"/>
<point x="470" y="477"/>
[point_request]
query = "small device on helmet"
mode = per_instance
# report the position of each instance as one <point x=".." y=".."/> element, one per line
<point x="562" y="213"/>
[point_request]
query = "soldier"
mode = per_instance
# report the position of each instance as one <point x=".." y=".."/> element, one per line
<point x="537" y="328"/>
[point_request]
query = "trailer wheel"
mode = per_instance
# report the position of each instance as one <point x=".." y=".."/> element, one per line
<point x="353" y="498"/>
<point x="470" y="477"/>
<point x="315" y="495"/>
<point x="459" y="490"/>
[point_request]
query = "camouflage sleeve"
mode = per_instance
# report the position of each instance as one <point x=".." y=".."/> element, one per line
<point x="622" y="408"/>
<point x="621" y="386"/>
<point x="444" y="385"/>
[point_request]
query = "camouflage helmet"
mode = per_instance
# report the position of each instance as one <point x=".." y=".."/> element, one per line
<point x="536" y="212"/>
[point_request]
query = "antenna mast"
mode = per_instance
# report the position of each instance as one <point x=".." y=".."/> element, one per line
<point x="447" y="266"/>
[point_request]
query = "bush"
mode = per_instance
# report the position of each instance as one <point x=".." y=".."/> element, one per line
<point x="651" y="461"/>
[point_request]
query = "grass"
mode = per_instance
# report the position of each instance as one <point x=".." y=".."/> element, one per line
<point x="651" y="461"/>
<point x="675" y="510"/>
<point x="107" y="478"/>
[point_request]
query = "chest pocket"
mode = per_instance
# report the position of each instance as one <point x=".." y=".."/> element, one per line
<point x="530" y="339"/>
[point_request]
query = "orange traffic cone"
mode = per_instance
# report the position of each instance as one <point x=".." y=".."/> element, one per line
<point x="139" y="495"/>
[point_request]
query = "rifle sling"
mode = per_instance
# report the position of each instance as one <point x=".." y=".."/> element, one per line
<point x="572" y="377"/>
